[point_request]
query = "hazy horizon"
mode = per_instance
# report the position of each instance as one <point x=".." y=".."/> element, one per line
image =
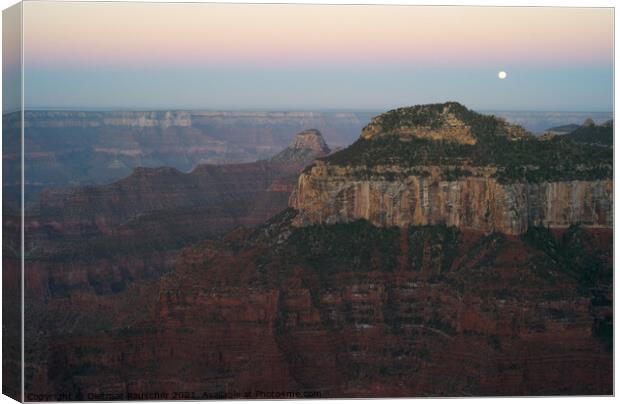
<point x="284" y="109"/>
<point x="534" y="121"/>
<point x="309" y="57"/>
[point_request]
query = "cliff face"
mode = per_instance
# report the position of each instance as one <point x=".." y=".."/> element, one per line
<point x="444" y="164"/>
<point x="336" y="194"/>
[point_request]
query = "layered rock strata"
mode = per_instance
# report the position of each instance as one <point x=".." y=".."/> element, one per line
<point x="333" y="194"/>
<point x="445" y="164"/>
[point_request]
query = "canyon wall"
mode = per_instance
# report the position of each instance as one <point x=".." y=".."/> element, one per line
<point x="47" y="119"/>
<point x="424" y="312"/>
<point x="334" y="194"/>
<point x="75" y="148"/>
<point x="102" y="238"/>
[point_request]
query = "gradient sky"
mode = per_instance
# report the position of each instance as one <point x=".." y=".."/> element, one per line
<point x="11" y="59"/>
<point x="242" y="56"/>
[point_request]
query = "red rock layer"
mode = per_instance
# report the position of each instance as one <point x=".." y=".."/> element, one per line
<point x="494" y="321"/>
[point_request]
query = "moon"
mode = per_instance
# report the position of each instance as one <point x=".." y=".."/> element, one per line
<point x="502" y="75"/>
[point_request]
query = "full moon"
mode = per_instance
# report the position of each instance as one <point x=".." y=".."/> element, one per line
<point x="502" y="75"/>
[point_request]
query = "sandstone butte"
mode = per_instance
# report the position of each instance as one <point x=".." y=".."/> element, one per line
<point x="420" y="193"/>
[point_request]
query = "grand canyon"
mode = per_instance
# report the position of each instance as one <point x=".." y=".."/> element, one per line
<point x="441" y="253"/>
<point x="223" y="200"/>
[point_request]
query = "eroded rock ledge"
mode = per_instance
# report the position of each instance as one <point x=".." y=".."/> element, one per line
<point x="391" y="196"/>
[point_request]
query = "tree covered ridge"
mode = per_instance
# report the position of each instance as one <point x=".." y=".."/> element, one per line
<point x="525" y="158"/>
<point x="602" y="135"/>
<point x="435" y="116"/>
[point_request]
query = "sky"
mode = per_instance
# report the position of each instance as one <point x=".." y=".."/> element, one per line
<point x="11" y="59"/>
<point x="305" y="57"/>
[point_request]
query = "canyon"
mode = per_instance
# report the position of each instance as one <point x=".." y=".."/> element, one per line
<point x="65" y="148"/>
<point x="443" y="253"/>
<point x="102" y="236"/>
<point x="350" y="310"/>
<point x="78" y="148"/>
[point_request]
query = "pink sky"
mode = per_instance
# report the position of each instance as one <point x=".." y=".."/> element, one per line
<point x="66" y="35"/>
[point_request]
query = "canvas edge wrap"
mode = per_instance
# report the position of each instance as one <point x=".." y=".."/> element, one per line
<point x="12" y="203"/>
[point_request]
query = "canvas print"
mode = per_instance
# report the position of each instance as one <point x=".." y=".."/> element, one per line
<point x="284" y="201"/>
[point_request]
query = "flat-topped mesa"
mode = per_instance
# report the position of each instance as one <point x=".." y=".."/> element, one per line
<point x="305" y="147"/>
<point x="444" y="164"/>
<point x="449" y="121"/>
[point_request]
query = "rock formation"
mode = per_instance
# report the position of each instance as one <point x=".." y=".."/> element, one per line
<point x="306" y="146"/>
<point x="328" y="194"/>
<point x="232" y="188"/>
<point x="481" y="195"/>
<point x="432" y="258"/>
<point x="588" y="122"/>
<point x="73" y="148"/>
<point x="434" y="122"/>
<point x="352" y="310"/>
<point x="102" y="237"/>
